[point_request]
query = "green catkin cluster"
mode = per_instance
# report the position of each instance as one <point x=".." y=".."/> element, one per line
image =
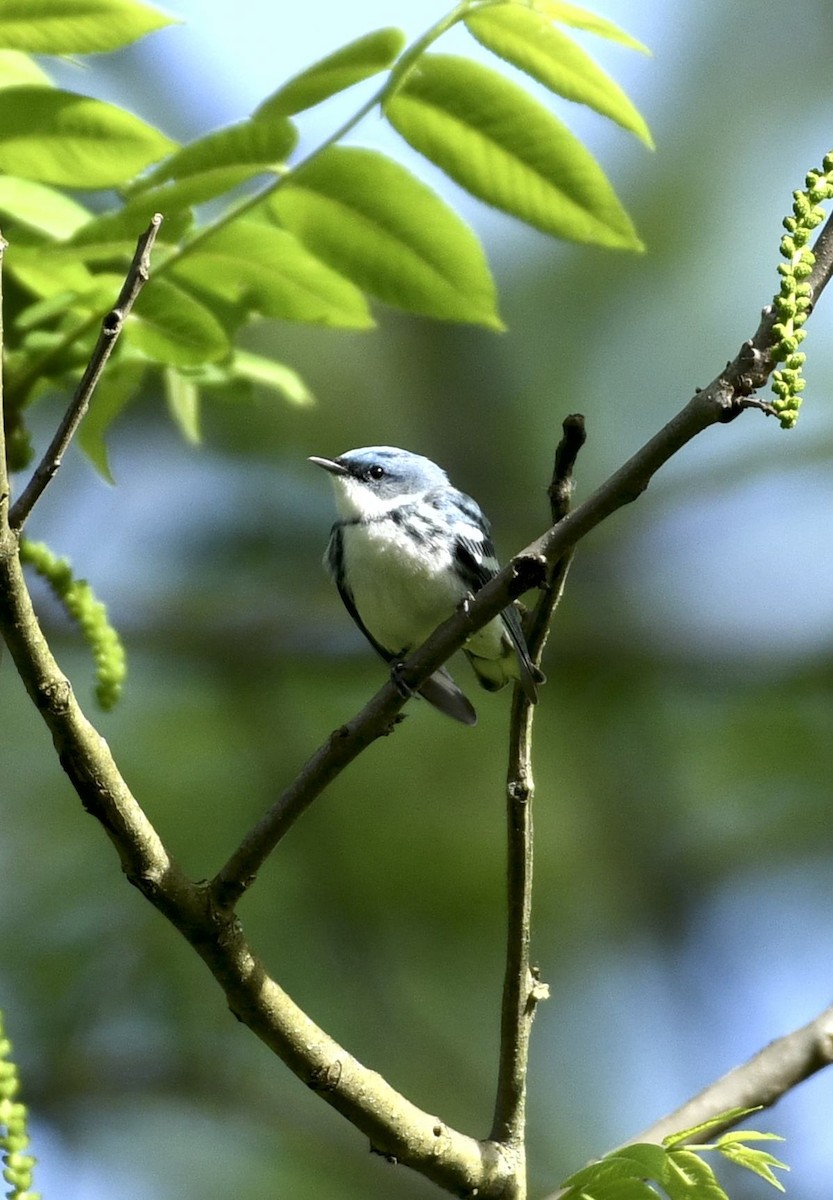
<point x="792" y="304"/>
<point x="14" y="1136"/>
<point x="80" y="602"/>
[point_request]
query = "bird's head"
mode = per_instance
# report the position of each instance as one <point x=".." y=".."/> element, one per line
<point x="374" y="479"/>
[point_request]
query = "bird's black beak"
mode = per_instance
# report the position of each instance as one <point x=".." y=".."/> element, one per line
<point x="329" y="464"/>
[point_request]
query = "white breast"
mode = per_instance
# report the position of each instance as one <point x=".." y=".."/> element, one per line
<point x="402" y="589"/>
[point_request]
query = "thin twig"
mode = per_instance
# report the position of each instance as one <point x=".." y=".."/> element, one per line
<point x="560" y="494"/>
<point x="522" y="990"/>
<point x="759" y="1082"/>
<point x="111" y="327"/>
<point x="4" y="470"/>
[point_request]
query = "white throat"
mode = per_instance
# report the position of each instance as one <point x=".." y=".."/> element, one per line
<point x="356" y="502"/>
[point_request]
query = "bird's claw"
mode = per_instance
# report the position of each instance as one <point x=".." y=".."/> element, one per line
<point x="398" y="682"/>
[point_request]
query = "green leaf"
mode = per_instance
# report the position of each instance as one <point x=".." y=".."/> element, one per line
<point x="720" y="1119"/>
<point x="183" y="397"/>
<point x="617" y="1189"/>
<point x="504" y="147"/>
<point x="45" y="276"/>
<point x="271" y="272"/>
<point x="75" y="26"/>
<point x="174" y="200"/>
<point x="114" y="391"/>
<point x="169" y="326"/>
<point x="373" y="222"/>
<point x="94" y="253"/>
<point x="75" y="141"/>
<point x="263" y="142"/>
<point x="746" y="1135"/>
<point x="16" y="68"/>
<point x="607" y="1180"/>
<point x="41" y="208"/>
<point x="640" y="1161"/>
<point x="689" y="1177"/>
<point x="760" y="1162"/>
<point x="277" y="376"/>
<point x="528" y="41"/>
<point x="351" y="64"/>
<point x="580" y="18"/>
<point x="43" y="311"/>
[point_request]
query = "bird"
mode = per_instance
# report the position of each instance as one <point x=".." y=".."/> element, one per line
<point x="406" y="551"/>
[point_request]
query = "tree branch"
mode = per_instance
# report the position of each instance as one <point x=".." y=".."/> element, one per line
<point x="203" y="914"/>
<point x="722" y="401"/>
<point x="759" y="1082"/>
<point x="522" y="989"/>
<point x="4" y="469"/>
<point x="396" y="1127"/>
<point x="111" y="327"/>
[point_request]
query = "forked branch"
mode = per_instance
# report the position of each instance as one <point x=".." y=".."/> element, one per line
<point x="725" y="398"/>
<point x="205" y="916"/>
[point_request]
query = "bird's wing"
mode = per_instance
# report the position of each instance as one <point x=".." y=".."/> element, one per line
<point x="475" y="556"/>
<point x="439" y="689"/>
<point x="335" y="561"/>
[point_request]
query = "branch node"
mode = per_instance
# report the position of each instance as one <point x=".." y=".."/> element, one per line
<point x="518" y="792"/>
<point x="538" y="990"/>
<point x="528" y="571"/>
<point x="55" y="696"/>
<point x="327" y="1077"/>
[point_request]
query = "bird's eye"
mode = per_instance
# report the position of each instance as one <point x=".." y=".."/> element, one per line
<point x="376" y="472"/>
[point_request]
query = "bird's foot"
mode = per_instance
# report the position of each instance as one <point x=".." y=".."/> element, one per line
<point x="398" y="682"/>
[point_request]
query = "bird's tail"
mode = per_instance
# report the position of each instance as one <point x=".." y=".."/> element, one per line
<point x="441" y="691"/>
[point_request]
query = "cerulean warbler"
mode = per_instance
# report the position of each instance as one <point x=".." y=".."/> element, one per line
<point x="406" y="551"/>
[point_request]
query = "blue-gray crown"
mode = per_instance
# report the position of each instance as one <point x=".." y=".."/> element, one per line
<point x="387" y="470"/>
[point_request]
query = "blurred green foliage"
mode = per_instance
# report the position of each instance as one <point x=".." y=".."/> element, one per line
<point x="683" y="749"/>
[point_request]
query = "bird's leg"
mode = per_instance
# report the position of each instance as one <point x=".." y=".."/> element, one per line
<point x="396" y="668"/>
<point x="466" y="603"/>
